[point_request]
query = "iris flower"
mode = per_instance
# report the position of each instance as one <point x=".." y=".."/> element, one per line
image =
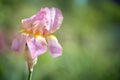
<point x="37" y="31"/>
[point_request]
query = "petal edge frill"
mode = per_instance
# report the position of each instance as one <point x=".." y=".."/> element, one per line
<point x="56" y="19"/>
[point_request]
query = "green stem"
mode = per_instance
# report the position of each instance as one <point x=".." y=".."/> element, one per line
<point x="30" y="74"/>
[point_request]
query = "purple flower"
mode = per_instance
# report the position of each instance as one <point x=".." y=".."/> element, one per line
<point x="37" y="33"/>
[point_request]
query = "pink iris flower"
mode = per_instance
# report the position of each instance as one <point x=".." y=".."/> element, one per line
<point x="37" y="33"/>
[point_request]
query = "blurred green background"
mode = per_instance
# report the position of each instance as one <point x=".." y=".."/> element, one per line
<point x="90" y="36"/>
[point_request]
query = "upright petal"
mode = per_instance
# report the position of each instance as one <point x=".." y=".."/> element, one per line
<point x="56" y="19"/>
<point x="54" y="46"/>
<point x="27" y="23"/>
<point x="44" y="17"/>
<point x="42" y="14"/>
<point x="18" y="43"/>
<point x="37" y="46"/>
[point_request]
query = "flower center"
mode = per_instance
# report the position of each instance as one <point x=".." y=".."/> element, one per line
<point x="35" y="32"/>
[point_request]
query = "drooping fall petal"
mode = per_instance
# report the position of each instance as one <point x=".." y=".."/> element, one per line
<point x="18" y="43"/>
<point x="54" y="46"/>
<point x="37" y="46"/>
<point x="56" y="19"/>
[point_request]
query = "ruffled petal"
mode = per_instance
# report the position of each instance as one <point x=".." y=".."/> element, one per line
<point x="27" y="23"/>
<point x="37" y="46"/>
<point x="54" y="46"/>
<point x="56" y="19"/>
<point x="44" y="17"/>
<point x="42" y="14"/>
<point x="18" y="43"/>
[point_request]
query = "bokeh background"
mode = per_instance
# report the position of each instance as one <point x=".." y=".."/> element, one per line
<point x="90" y="36"/>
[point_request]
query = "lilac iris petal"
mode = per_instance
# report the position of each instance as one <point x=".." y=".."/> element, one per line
<point x="27" y="23"/>
<point x="18" y="43"/>
<point x="56" y="19"/>
<point x="37" y="46"/>
<point x="54" y="46"/>
<point x="44" y="17"/>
